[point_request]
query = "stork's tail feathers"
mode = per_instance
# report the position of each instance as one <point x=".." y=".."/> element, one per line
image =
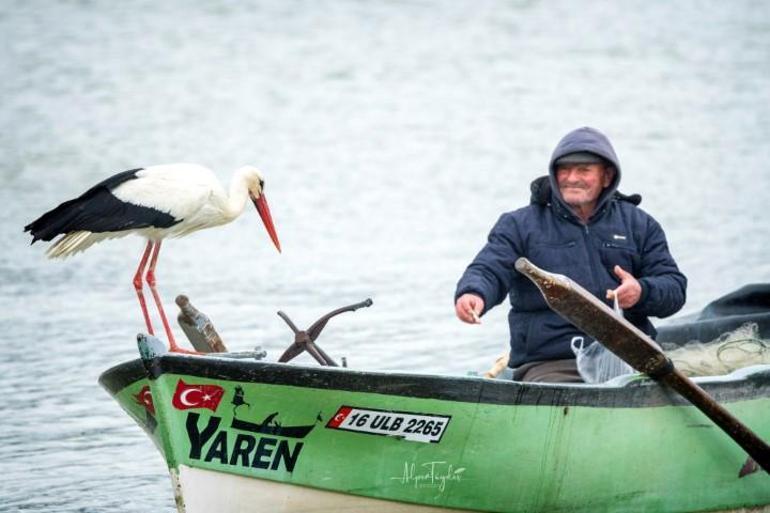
<point x="71" y="243"/>
<point x="92" y="217"/>
<point x="64" y="220"/>
<point x="75" y="242"/>
<point x="58" y="222"/>
<point x="96" y="211"/>
<point x="54" y="222"/>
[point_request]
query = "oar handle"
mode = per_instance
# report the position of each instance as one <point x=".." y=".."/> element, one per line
<point x="595" y="318"/>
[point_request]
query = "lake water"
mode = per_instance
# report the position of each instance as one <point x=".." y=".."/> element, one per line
<point x="391" y="136"/>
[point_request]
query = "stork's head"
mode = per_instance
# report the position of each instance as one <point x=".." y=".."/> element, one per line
<point x="256" y="187"/>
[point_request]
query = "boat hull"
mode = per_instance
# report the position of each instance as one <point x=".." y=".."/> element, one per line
<point x="284" y="436"/>
<point x="208" y="491"/>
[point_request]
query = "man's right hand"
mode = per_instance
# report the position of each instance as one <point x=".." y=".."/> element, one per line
<point x="468" y="308"/>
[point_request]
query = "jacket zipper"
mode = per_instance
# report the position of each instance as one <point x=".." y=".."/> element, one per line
<point x="591" y="258"/>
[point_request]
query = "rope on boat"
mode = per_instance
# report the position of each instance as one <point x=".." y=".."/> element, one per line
<point x="730" y="351"/>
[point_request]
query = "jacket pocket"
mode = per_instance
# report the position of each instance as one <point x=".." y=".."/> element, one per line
<point x="626" y="256"/>
<point x="556" y="257"/>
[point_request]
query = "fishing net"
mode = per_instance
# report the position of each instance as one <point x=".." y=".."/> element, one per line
<point x="732" y="350"/>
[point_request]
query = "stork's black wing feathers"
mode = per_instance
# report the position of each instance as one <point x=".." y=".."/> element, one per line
<point x="98" y="210"/>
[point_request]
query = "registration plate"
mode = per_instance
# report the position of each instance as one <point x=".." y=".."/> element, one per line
<point x="415" y="427"/>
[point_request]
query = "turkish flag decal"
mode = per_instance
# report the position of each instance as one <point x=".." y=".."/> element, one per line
<point x="144" y="397"/>
<point x="197" y="396"/>
<point x="339" y="417"/>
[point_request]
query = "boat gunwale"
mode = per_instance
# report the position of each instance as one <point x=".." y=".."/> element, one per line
<point x="634" y="392"/>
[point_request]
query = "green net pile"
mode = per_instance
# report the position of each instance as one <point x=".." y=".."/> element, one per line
<point x="733" y="350"/>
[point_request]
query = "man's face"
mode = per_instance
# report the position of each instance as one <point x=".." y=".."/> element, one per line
<point x="582" y="184"/>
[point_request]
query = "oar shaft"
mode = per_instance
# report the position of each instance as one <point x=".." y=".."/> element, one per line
<point x="734" y="428"/>
<point x="595" y="318"/>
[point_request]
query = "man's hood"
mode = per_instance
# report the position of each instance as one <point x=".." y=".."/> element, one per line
<point x="585" y="139"/>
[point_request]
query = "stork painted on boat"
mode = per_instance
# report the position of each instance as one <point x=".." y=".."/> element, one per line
<point x="156" y="203"/>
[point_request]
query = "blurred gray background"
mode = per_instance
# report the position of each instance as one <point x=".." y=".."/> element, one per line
<point x="391" y="136"/>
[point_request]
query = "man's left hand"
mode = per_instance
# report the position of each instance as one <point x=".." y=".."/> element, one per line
<point x="629" y="292"/>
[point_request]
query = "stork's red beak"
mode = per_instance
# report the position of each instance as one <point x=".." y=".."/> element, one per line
<point x="267" y="219"/>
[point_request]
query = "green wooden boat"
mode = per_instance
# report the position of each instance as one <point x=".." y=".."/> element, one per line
<point x="248" y="435"/>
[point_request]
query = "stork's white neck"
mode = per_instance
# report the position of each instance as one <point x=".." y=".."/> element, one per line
<point x="239" y="193"/>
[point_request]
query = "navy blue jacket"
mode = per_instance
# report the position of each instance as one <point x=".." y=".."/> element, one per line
<point x="549" y="234"/>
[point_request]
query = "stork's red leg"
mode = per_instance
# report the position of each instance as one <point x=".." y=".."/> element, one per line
<point x="138" y="286"/>
<point x="150" y="279"/>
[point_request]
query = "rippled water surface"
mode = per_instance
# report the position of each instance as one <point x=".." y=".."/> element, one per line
<point x="391" y="136"/>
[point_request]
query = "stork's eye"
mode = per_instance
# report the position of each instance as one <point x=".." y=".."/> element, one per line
<point x="262" y="184"/>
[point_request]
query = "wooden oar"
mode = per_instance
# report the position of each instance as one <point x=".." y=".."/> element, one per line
<point x="595" y="318"/>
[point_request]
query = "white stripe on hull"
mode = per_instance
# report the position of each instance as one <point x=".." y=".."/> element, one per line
<point x="208" y="491"/>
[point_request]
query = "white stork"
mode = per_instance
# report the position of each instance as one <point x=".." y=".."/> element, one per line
<point x="156" y="202"/>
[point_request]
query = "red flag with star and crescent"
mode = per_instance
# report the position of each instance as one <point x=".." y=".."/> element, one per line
<point x="144" y="397"/>
<point x="189" y="396"/>
<point x="339" y="417"/>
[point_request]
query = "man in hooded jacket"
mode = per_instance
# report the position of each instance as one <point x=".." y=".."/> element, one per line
<point x="579" y="225"/>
